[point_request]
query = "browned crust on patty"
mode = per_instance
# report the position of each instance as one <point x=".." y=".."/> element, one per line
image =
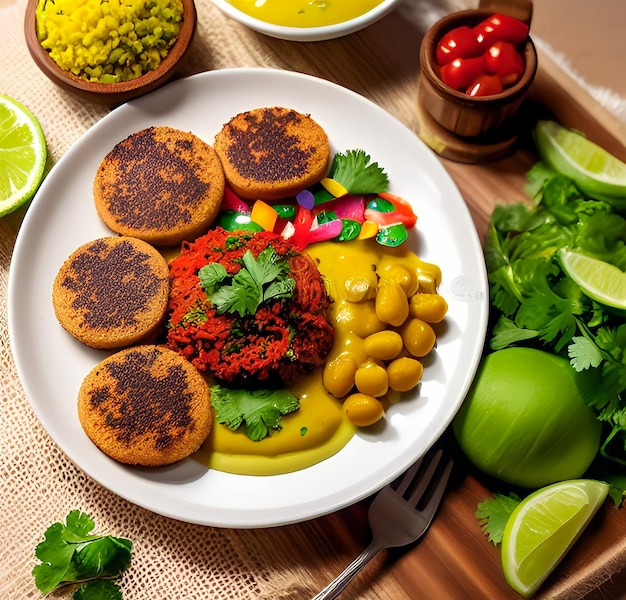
<point x="161" y="185"/>
<point x="145" y="406"/>
<point x="272" y="153"/>
<point x="111" y="292"/>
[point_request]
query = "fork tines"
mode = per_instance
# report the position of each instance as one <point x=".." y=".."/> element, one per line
<point x="418" y="479"/>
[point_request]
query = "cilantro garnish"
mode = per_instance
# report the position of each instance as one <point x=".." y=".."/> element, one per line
<point x="98" y="589"/>
<point x="535" y="303"/>
<point x="260" y="410"/>
<point x="492" y="514"/>
<point x="354" y="171"/>
<point x="70" y="553"/>
<point x="259" y="280"/>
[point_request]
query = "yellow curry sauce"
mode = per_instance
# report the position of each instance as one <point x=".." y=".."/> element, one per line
<point x="304" y="13"/>
<point x="319" y="428"/>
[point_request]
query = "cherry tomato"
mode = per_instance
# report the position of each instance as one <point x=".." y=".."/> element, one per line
<point x="483" y="60"/>
<point x="503" y="59"/>
<point x="485" y="85"/>
<point x="459" y="42"/>
<point x="502" y="28"/>
<point x="461" y="72"/>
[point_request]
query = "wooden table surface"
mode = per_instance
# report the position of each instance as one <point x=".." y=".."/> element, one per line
<point x="454" y="561"/>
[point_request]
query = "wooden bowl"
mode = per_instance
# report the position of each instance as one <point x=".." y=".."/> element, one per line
<point x="456" y="112"/>
<point x="111" y="94"/>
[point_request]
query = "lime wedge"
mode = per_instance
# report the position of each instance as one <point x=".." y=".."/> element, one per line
<point x="603" y="282"/>
<point x="594" y="170"/>
<point x="23" y="155"/>
<point x="543" y="527"/>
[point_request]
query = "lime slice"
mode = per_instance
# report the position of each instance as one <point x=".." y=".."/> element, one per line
<point x="601" y="281"/>
<point x="543" y="527"/>
<point x="23" y="155"/>
<point x="594" y="170"/>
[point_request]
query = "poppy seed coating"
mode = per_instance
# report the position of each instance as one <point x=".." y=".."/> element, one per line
<point x="111" y="283"/>
<point x="272" y="153"/>
<point x="263" y="150"/>
<point x="172" y="190"/>
<point x="145" y="405"/>
<point x="138" y="402"/>
<point x="111" y="292"/>
<point x="161" y="185"/>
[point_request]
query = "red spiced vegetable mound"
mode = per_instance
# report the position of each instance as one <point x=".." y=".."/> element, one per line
<point x="282" y="338"/>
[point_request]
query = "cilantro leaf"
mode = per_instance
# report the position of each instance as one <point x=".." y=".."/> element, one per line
<point x="211" y="276"/>
<point x="98" y="589"/>
<point x="267" y="267"/>
<point x="583" y="353"/>
<point x="354" y="171"/>
<point x="70" y="553"/>
<point x="242" y="296"/>
<point x="259" y="410"/>
<point x="259" y="280"/>
<point x="505" y="333"/>
<point x="105" y="556"/>
<point x="534" y="302"/>
<point x="55" y="555"/>
<point x="492" y="514"/>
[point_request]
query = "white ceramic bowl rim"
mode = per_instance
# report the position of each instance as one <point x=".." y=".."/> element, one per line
<point x="326" y="32"/>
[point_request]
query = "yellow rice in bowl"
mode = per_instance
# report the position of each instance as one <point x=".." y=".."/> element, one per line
<point x="108" y="41"/>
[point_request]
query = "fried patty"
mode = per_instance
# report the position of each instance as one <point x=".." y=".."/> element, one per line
<point x="161" y="185"/>
<point x="145" y="406"/>
<point x="112" y="292"/>
<point x="272" y="153"/>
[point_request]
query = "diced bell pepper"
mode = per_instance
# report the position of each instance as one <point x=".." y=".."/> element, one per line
<point x="392" y="236"/>
<point x="334" y="187"/>
<point x="234" y="221"/>
<point x="231" y="201"/>
<point x="264" y="215"/>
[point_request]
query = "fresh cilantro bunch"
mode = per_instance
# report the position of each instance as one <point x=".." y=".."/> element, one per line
<point x="259" y="280"/>
<point x="535" y="303"/>
<point x="70" y="553"/>
<point x="355" y="172"/>
<point x="259" y="410"/>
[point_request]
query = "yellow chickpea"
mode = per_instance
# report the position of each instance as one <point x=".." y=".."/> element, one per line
<point x="428" y="277"/>
<point x="431" y="308"/>
<point x="418" y="336"/>
<point x="383" y="345"/>
<point x="355" y="345"/>
<point x="363" y="410"/>
<point x="359" y="318"/>
<point x="392" y="305"/>
<point x="361" y="286"/>
<point x="404" y="276"/>
<point x="404" y="374"/>
<point x="371" y="379"/>
<point x="338" y="374"/>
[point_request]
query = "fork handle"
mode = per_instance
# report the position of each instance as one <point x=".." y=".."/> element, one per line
<point x="335" y="587"/>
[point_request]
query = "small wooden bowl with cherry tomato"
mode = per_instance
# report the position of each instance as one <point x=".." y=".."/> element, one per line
<point x="476" y="68"/>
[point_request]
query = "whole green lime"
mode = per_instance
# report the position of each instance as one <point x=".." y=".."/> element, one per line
<point x="524" y="420"/>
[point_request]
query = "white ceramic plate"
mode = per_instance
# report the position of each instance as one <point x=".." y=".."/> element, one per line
<point x="62" y="216"/>
<point x="307" y="34"/>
